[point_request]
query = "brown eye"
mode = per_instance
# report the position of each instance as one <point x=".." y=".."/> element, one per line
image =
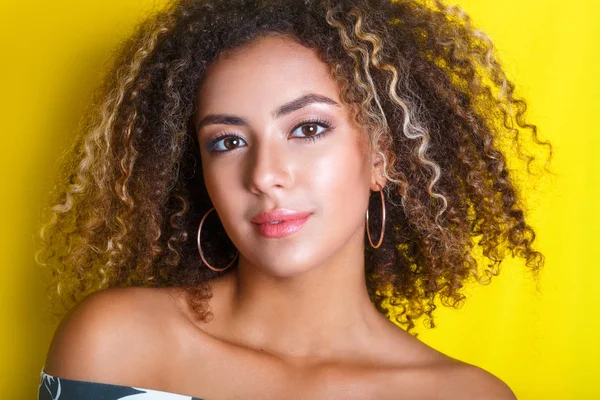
<point x="309" y="129"/>
<point x="231" y="143"/>
<point x="226" y="142"/>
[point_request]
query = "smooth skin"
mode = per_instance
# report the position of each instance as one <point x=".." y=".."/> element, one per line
<point x="294" y="321"/>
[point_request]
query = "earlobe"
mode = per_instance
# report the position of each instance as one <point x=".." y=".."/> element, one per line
<point x="378" y="179"/>
<point x="378" y="184"/>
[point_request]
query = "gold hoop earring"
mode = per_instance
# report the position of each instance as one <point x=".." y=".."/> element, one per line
<point x="382" y="222"/>
<point x="200" y="247"/>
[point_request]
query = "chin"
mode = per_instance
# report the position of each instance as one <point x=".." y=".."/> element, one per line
<point x="285" y="267"/>
<point x="288" y="271"/>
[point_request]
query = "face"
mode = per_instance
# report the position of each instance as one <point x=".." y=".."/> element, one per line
<point x="275" y="137"/>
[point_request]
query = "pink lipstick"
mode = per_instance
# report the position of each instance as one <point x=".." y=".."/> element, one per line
<point x="279" y="223"/>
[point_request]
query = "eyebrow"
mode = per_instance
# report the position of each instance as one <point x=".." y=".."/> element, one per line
<point x="281" y="111"/>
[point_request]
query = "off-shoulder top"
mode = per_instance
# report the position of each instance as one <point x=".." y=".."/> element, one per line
<point x="54" y="388"/>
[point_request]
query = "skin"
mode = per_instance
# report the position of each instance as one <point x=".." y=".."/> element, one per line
<point x="294" y="320"/>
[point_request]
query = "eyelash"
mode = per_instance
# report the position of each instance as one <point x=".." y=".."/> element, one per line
<point x="323" y="123"/>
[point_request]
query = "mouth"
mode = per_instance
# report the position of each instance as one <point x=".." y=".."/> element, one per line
<point x="279" y="223"/>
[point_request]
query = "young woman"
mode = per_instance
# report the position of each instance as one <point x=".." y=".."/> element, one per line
<point x="266" y="190"/>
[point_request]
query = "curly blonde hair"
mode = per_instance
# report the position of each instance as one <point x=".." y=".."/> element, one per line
<point x="417" y="76"/>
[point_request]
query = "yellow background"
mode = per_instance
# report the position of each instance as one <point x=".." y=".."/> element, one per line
<point x="543" y="344"/>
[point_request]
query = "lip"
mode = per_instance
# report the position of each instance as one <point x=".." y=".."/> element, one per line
<point x="289" y="221"/>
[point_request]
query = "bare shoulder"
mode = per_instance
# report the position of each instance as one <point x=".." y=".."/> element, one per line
<point x="422" y="371"/>
<point x="466" y="381"/>
<point x="109" y="334"/>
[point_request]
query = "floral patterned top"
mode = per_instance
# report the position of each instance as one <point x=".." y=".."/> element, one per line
<point x="53" y="388"/>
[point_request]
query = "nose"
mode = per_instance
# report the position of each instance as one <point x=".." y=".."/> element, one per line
<point x="269" y="169"/>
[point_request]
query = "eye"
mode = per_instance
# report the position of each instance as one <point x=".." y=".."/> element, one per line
<point x="311" y="129"/>
<point x="225" y="142"/>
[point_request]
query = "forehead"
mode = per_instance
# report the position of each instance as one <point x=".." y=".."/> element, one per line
<point x="263" y="75"/>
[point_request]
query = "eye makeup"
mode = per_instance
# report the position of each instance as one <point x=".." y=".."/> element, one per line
<point x="213" y="145"/>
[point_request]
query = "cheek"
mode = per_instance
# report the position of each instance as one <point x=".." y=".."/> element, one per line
<point x="224" y="197"/>
<point x="342" y="178"/>
<point x="217" y="186"/>
<point x="210" y="181"/>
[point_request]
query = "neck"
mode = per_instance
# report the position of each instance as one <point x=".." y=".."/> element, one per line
<point x="320" y="313"/>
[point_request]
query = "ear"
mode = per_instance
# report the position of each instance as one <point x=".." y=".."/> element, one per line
<point x="378" y="179"/>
